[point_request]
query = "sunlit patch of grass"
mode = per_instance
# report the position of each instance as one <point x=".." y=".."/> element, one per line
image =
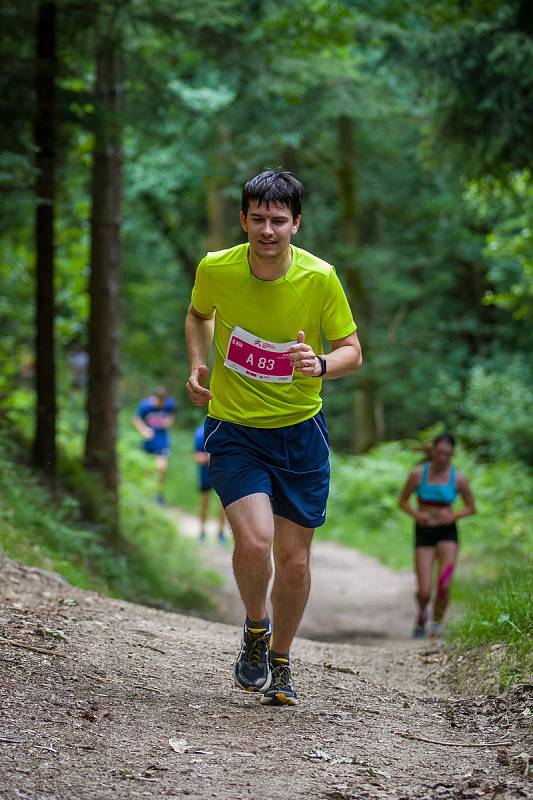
<point x="501" y="614"/>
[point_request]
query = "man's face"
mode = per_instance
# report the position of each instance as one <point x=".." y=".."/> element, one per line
<point x="269" y="229"/>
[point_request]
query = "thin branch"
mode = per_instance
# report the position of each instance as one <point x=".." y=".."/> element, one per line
<point x="44" y="650"/>
<point x="455" y="744"/>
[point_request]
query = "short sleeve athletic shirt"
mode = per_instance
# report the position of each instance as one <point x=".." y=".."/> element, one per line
<point x="309" y="298"/>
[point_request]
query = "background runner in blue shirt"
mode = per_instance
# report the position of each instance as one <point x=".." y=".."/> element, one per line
<point x="153" y="418"/>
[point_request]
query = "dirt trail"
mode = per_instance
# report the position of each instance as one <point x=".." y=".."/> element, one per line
<point x="91" y="717"/>
<point x="353" y="597"/>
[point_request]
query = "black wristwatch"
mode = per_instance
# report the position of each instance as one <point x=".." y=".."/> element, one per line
<point x="323" y="365"/>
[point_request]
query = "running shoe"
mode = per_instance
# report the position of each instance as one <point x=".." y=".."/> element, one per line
<point x="281" y="691"/>
<point x="420" y="632"/>
<point x="252" y="668"/>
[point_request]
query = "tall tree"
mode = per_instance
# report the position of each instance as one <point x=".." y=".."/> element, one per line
<point x="369" y="419"/>
<point x="102" y="397"/>
<point x="44" y="446"/>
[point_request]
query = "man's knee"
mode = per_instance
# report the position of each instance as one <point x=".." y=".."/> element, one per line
<point x="252" y="548"/>
<point x="293" y="567"/>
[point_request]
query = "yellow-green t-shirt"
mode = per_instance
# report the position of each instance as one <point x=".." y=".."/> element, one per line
<point x="309" y="298"/>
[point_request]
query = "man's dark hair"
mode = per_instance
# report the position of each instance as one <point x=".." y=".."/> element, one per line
<point x="274" y="186"/>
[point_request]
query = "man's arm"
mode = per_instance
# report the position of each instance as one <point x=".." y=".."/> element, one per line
<point x="345" y="357"/>
<point x="144" y="430"/>
<point x="198" y="336"/>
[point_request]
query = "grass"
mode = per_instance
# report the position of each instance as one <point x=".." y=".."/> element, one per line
<point x="152" y="564"/>
<point x="501" y="616"/>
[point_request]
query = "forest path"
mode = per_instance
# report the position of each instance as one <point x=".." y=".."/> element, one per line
<point x="104" y="699"/>
<point x="354" y="598"/>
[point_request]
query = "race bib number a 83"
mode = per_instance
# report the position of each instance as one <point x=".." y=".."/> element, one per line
<point x="258" y="359"/>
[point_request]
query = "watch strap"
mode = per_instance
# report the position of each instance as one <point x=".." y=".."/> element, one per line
<point x="323" y="365"/>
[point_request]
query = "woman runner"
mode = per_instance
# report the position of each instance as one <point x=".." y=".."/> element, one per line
<point x="436" y="483"/>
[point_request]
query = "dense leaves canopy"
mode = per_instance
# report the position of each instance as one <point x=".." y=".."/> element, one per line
<point x="424" y="206"/>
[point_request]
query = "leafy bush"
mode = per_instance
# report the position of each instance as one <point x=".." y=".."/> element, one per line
<point x="497" y="408"/>
<point x="491" y="414"/>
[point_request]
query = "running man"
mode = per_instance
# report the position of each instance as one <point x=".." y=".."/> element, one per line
<point x="267" y="304"/>
<point x="436" y="483"/>
<point x="153" y="418"/>
<point x="204" y="486"/>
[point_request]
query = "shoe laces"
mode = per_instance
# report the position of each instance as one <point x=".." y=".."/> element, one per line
<point x="281" y="675"/>
<point x="255" y="648"/>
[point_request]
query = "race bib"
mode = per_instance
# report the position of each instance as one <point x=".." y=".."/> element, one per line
<point x="257" y="359"/>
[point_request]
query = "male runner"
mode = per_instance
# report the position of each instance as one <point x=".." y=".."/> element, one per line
<point x="153" y="418"/>
<point x="268" y="303"/>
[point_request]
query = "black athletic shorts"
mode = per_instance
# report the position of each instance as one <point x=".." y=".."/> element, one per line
<point x="428" y="537"/>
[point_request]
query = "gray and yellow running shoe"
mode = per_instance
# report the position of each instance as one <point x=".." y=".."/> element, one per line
<point x="281" y="691"/>
<point x="252" y="668"/>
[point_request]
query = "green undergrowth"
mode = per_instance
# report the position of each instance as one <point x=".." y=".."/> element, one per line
<point x="151" y="563"/>
<point x="498" y="625"/>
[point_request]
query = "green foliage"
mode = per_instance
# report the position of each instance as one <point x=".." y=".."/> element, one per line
<point x="479" y="58"/>
<point x="492" y="412"/>
<point x="508" y="209"/>
<point x="152" y="564"/>
<point x="497" y="408"/>
<point x="501" y="614"/>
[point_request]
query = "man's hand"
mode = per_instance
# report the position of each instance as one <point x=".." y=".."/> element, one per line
<point x="199" y="395"/>
<point x="303" y="357"/>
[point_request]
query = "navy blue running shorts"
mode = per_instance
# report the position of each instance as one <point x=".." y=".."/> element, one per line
<point x="154" y="449"/>
<point x="290" y="464"/>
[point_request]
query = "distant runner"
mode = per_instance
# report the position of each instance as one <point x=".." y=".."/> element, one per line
<point x="153" y="418"/>
<point x="267" y="304"/>
<point x="204" y="485"/>
<point x="436" y="483"/>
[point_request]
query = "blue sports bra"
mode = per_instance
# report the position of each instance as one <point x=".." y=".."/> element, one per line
<point x="441" y="493"/>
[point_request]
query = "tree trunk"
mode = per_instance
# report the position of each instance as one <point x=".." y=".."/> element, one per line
<point x="369" y="419"/>
<point x="219" y="209"/>
<point x="102" y="396"/>
<point x="44" y="444"/>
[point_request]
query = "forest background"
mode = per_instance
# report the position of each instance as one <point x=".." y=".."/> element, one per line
<point x="129" y="128"/>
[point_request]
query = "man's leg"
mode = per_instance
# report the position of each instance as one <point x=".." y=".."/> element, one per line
<point x="292" y="580"/>
<point x="202" y="512"/>
<point x="252" y="522"/>
<point x="161" y="462"/>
